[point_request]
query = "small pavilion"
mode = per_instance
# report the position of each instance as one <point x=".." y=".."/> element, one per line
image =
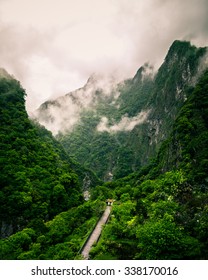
<point x="110" y="201"/>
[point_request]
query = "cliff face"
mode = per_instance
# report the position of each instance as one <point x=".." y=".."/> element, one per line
<point x="160" y="209"/>
<point x="181" y="69"/>
<point x="115" y="129"/>
<point x="186" y="147"/>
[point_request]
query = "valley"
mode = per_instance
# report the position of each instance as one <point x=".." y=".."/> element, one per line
<point x="142" y="142"/>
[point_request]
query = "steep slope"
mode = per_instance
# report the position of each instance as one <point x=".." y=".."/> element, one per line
<point x="38" y="180"/>
<point x="161" y="211"/>
<point x="182" y="67"/>
<point x="188" y="146"/>
<point x="116" y="129"/>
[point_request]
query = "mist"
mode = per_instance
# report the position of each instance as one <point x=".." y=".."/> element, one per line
<point x="125" y="124"/>
<point x="53" y="47"/>
<point x="62" y="113"/>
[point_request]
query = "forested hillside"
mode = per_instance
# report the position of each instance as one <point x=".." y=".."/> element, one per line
<point x="155" y="124"/>
<point x="121" y="126"/>
<point x="37" y="181"/>
<point x="161" y="211"/>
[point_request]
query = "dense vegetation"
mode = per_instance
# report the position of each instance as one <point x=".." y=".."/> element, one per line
<point x="162" y="93"/>
<point x="160" y="210"/>
<point x="37" y="181"/>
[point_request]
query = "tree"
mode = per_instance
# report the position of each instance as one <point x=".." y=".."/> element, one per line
<point x="163" y="239"/>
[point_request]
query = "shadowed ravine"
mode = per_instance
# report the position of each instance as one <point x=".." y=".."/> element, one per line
<point x="96" y="233"/>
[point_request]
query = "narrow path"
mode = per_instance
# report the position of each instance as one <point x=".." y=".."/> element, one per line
<point x="96" y="233"/>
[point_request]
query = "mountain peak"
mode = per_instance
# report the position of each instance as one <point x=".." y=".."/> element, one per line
<point x="180" y="49"/>
<point x="5" y="74"/>
<point x="93" y="78"/>
<point x="147" y="70"/>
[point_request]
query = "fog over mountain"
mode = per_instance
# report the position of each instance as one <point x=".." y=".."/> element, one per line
<point x="125" y="124"/>
<point x="117" y="96"/>
<point x="53" y="47"/>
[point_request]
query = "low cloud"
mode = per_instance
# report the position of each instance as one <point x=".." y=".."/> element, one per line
<point x="125" y="124"/>
<point x="60" y="119"/>
<point x="52" y="47"/>
<point x="63" y="113"/>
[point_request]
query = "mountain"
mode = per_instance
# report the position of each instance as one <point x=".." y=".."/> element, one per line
<point x="116" y="128"/>
<point x="161" y="210"/>
<point x="38" y="179"/>
<point x="5" y="74"/>
<point x="155" y="124"/>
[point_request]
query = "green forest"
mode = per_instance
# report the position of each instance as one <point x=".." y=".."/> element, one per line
<point x="161" y="205"/>
<point x="162" y="211"/>
<point x="161" y="94"/>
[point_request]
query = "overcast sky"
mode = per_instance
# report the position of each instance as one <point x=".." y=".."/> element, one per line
<point x="53" y="46"/>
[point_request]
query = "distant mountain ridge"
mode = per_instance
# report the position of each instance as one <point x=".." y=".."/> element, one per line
<point x="155" y="124"/>
<point x="92" y="122"/>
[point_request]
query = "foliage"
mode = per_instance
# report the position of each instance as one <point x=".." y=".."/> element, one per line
<point x="37" y="180"/>
<point x="169" y="216"/>
<point x="61" y="238"/>
<point x="42" y="212"/>
<point x="163" y="239"/>
<point x="160" y="210"/>
<point x="115" y="154"/>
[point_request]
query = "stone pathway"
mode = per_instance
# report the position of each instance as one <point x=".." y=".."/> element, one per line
<point x="96" y="233"/>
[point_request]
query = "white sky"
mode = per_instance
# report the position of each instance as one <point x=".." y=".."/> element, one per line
<point x="53" y="46"/>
